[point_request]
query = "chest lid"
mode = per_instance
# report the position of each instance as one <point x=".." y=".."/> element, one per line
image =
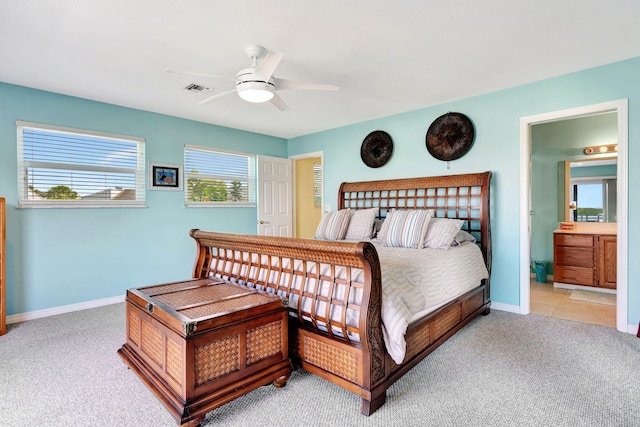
<point x="199" y="305"/>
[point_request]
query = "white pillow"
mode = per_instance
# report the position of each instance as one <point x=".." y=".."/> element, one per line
<point x="441" y="232"/>
<point x="361" y="224"/>
<point x="333" y="225"/>
<point x="382" y="231"/>
<point x="461" y="237"/>
<point x="407" y="228"/>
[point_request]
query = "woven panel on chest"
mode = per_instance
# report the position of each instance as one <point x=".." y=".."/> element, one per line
<point x="170" y="287"/>
<point x="151" y="342"/>
<point x="217" y="358"/>
<point x="264" y="341"/>
<point x="174" y="360"/>
<point x="134" y="328"/>
<point x="224" y="306"/>
<point x="197" y="295"/>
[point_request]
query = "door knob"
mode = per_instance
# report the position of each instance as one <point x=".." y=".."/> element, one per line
<point x="262" y="222"/>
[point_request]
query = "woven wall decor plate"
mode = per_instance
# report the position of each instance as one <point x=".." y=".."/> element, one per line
<point x="376" y="149"/>
<point x="450" y="136"/>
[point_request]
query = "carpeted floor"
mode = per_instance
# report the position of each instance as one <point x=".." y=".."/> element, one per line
<point x="501" y="370"/>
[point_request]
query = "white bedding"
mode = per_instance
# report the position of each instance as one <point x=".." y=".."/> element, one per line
<point x="417" y="281"/>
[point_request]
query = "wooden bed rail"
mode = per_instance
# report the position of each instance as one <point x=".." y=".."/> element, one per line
<point x="319" y="278"/>
<point x="343" y="253"/>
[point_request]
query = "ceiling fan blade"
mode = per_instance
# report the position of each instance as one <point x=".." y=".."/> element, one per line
<point x="267" y="66"/>
<point x="191" y="73"/>
<point x="283" y="84"/>
<point x="216" y="96"/>
<point x="279" y="103"/>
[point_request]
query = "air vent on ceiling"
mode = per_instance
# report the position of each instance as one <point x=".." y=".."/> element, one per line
<point x="194" y="87"/>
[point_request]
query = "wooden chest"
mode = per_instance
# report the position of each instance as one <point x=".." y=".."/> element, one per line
<point x="201" y="343"/>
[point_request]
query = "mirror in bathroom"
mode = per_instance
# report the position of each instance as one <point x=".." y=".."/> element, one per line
<point x="587" y="190"/>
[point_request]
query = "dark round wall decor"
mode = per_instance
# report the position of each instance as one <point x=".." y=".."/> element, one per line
<point x="376" y="149"/>
<point x="450" y="136"/>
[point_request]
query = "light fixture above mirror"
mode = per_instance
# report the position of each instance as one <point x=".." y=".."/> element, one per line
<point x="601" y="149"/>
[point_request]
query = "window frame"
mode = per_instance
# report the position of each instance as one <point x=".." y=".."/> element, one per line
<point x="250" y="179"/>
<point x="23" y="165"/>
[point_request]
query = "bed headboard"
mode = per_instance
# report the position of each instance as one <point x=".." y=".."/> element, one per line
<point x="463" y="197"/>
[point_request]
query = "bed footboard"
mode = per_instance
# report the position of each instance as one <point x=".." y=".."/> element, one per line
<point x="334" y="296"/>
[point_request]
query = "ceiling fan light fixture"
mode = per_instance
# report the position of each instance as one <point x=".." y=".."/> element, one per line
<point x="256" y="92"/>
<point x="257" y="84"/>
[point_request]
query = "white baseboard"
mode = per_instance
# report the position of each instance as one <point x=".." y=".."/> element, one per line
<point x="505" y="307"/>
<point x="31" y="315"/>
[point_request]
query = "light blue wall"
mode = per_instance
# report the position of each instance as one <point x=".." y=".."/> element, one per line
<point x="551" y="143"/>
<point x="598" y="171"/>
<point x="57" y="257"/>
<point x="63" y="256"/>
<point x="496" y="117"/>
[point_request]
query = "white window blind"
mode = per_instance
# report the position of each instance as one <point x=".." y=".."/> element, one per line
<point x="64" y="167"/>
<point x="317" y="185"/>
<point x="218" y="178"/>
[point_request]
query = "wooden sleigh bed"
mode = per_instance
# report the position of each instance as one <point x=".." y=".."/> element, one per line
<point x="307" y="273"/>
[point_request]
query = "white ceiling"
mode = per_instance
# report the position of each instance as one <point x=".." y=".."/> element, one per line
<point x="387" y="56"/>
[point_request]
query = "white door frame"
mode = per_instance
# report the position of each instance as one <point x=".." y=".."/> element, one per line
<point x="300" y="157"/>
<point x="621" y="107"/>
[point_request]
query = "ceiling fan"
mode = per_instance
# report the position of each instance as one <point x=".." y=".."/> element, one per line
<point x="257" y="83"/>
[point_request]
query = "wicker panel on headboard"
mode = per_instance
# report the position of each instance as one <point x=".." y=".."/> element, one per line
<point x="463" y="197"/>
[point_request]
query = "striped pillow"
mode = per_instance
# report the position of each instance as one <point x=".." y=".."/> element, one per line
<point x="407" y="229"/>
<point x="384" y="227"/>
<point x="361" y="224"/>
<point x="333" y="225"/>
<point x="441" y="232"/>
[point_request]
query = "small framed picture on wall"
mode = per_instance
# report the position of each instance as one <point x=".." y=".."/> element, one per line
<point x="164" y="176"/>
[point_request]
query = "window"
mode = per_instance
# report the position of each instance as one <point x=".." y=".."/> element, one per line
<point x="218" y="178"/>
<point x="594" y="198"/>
<point x="63" y="167"/>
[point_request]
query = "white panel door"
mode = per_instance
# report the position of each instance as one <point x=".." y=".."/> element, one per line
<point x="275" y="196"/>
